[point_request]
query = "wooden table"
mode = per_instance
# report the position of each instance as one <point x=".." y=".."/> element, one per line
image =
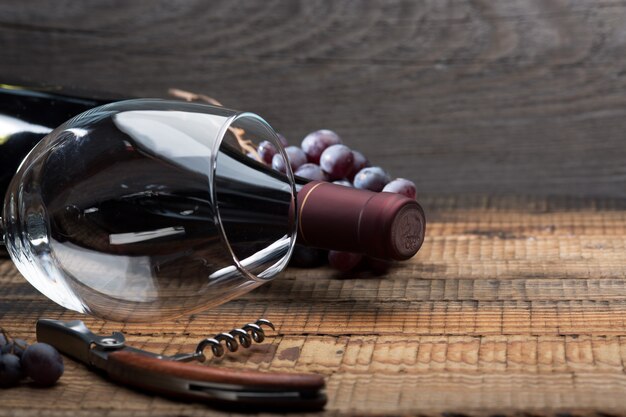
<point x="510" y="117"/>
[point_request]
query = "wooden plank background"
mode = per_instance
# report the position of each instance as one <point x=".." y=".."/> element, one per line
<point x="480" y="96"/>
<point x="510" y="117"/>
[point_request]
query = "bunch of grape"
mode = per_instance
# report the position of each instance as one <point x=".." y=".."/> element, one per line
<point x="18" y="360"/>
<point x="322" y="156"/>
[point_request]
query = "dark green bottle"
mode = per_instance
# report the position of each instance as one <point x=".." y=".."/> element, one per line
<point x="26" y="116"/>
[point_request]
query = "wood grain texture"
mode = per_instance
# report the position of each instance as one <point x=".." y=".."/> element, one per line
<point x="510" y="117"/>
<point x="515" y="305"/>
<point x="462" y="96"/>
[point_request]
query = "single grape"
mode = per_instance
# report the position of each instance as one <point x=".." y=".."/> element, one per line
<point x="295" y="156"/>
<point x="10" y="370"/>
<point x="266" y="151"/>
<point x="16" y="347"/>
<point x="401" y="186"/>
<point x="344" y="261"/>
<point x="311" y="172"/>
<point x="305" y="257"/>
<point x="278" y="163"/>
<point x="345" y="183"/>
<point x="359" y="162"/>
<point x="371" y="178"/>
<point x="42" y="363"/>
<point x="336" y="161"/>
<point x="283" y="140"/>
<point x="316" y="142"/>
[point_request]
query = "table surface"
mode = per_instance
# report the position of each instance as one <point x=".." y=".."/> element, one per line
<point x="508" y="115"/>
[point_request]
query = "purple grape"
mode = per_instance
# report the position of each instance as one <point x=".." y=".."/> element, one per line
<point x="359" y="162"/>
<point x="316" y="142"/>
<point x="16" y="347"/>
<point x="266" y="151"/>
<point x="10" y="370"/>
<point x="283" y="140"/>
<point x="344" y="261"/>
<point x="371" y="178"/>
<point x="278" y="163"/>
<point x="345" y="183"/>
<point x="401" y="186"/>
<point x="336" y="161"/>
<point x="42" y="363"/>
<point x="295" y="156"/>
<point x="311" y="172"/>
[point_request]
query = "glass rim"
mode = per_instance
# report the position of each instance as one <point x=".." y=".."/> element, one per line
<point x="213" y="190"/>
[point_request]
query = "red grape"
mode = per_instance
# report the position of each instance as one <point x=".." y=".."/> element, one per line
<point x="10" y="370"/>
<point x="16" y="347"/>
<point x="344" y="261"/>
<point x="401" y="186"/>
<point x="371" y="178"/>
<point x="295" y="156"/>
<point x="336" y="161"/>
<point x="359" y="162"/>
<point x="316" y="142"/>
<point x="278" y="163"/>
<point x="311" y="172"/>
<point x="42" y="363"/>
<point x="266" y="151"/>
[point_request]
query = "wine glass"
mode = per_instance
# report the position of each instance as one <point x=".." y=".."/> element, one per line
<point x="147" y="209"/>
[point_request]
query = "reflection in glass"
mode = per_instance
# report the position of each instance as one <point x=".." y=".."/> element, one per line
<point x="145" y="209"/>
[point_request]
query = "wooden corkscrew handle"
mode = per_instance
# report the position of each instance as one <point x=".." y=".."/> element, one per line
<point x="220" y="386"/>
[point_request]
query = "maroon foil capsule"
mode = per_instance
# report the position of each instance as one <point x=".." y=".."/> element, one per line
<point x="381" y="225"/>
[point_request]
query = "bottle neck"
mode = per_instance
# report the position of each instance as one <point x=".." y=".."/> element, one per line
<point x="381" y="225"/>
<point x="26" y="117"/>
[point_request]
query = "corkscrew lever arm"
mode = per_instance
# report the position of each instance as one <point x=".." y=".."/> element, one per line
<point x="164" y="375"/>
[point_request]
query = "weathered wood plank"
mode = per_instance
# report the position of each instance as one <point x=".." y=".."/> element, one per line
<point x="514" y="305"/>
<point x="381" y="375"/>
<point x="493" y="328"/>
<point x="483" y="97"/>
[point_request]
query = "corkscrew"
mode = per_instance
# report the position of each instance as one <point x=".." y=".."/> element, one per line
<point x="239" y="336"/>
<point x="168" y="375"/>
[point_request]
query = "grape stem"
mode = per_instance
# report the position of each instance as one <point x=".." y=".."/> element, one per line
<point x="246" y="144"/>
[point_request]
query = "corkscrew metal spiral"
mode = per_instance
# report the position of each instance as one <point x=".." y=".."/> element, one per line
<point x="243" y="336"/>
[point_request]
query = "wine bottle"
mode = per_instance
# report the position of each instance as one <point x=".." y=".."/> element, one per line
<point x="145" y="209"/>
<point x="26" y="116"/>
